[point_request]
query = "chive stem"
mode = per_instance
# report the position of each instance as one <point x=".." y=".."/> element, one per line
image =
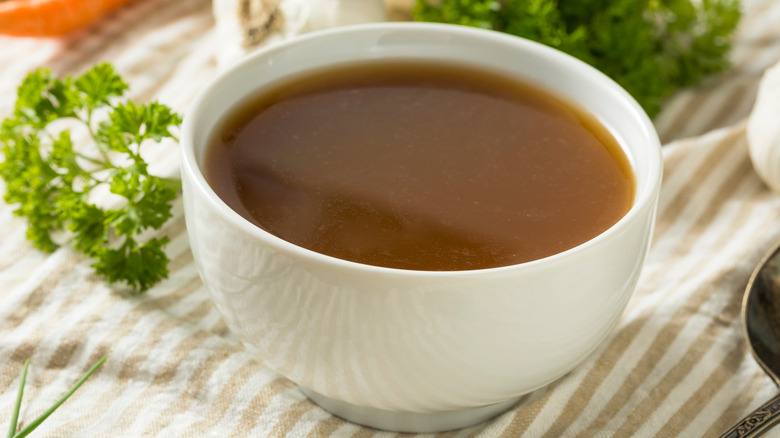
<point x="37" y="422"/>
<point x="18" y="405"/>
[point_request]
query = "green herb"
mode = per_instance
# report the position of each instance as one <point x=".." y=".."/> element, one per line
<point x="650" y="47"/>
<point x="18" y="404"/>
<point x="51" y="175"/>
<point x="37" y="422"/>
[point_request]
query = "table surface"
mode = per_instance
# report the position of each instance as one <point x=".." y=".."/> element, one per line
<point x="676" y="365"/>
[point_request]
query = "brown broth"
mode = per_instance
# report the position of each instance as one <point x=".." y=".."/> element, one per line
<point x="424" y="166"/>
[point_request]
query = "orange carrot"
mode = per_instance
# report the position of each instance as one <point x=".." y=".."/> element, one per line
<point x="42" y="18"/>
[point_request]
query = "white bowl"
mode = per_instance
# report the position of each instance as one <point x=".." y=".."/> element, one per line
<point x="414" y="350"/>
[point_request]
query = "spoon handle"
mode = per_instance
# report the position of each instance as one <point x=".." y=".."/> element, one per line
<point x="758" y="421"/>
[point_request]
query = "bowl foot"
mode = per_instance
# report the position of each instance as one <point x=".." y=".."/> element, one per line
<point x="416" y="422"/>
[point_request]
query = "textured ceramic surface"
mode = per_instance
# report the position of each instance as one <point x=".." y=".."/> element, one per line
<point x="415" y="341"/>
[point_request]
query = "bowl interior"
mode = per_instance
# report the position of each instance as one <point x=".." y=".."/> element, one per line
<point x="551" y="69"/>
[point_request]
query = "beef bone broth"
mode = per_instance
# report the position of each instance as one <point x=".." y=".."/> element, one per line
<point x="419" y="166"/>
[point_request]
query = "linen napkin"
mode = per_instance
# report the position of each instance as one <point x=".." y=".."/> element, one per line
<point x="676" y="365"/>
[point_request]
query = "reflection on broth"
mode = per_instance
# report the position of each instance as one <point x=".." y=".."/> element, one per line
<point x="423" y="166"/>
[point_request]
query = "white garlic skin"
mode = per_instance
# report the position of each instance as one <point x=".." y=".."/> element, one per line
<point x="298" y="17"/>
<point x="325" y="14"/>
<point x="763" y="129"/>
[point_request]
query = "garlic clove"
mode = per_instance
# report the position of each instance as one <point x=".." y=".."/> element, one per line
<point x="325" y="14"/>
<point x="244" y="25"/>
<point x="763" y="129"/>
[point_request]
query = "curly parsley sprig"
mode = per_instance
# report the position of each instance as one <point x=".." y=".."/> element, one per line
<point x="650" y="47"/>
<point x="52" y="177"/>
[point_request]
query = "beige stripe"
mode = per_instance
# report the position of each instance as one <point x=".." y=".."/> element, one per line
<point x="614" y="350"/>
<point x="710" y="386"/>
<point x="727" y="104"/>
<point x="195" y="384"/>
<point x="741" y="96"/>
<point x="676" y="248"/>
<point x="165" y="302"/>
<point x="604" y="366"/>
<point x="292" y="414"/>
<point x="163" y="377"/>
<point x="736" y="409"/>
<point x="768" y="223"/>
<point x="726" y="189"/>
<point x="671" y="111"/>
<point x="220" y="328"/>
<point x="28" y="309"/>
<point x="10" y="373"/>
<point x="69" y="343"/>
<point x="663" y="338"/>
<point x="194" y="317"/>
<point x="623" y="339"/>
<point x="129" y="370"/>
<point x="365" y="433"/>
<point x="638" y="374"/>
<point x="257" y="406"/>
<point x="672" y="209"/>
<point x="72" y="340"/>
<point x="225" y="398"/>
<point x="681" y="118"/>
<point x="325" y="428"/>
<point x="526" y="414"/>
<point x="131" y="364"/>
<point x="680" y="370"/>
<point x="673" y="157"/>
<point x="760" y="42"/>
<point x="37" y="296"/>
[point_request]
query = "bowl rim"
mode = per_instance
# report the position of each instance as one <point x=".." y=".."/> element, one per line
<point x="644" y="197"/>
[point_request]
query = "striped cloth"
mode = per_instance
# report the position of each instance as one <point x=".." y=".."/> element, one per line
<point x="676" y="365"/>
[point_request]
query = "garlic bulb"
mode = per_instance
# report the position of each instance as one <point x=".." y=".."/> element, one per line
<point x="244" y="25"/>
<point x="763" y="129"/>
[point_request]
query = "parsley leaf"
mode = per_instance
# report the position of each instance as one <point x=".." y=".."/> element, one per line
<point x="97" y="86"/>
<point x="650" y="47"/>
<point x="50" y="179"/>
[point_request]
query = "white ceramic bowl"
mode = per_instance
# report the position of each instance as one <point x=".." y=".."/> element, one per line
<point x="414" y="350"/>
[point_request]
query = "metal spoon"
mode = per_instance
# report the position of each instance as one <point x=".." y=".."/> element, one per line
<point x="761" y="321"/>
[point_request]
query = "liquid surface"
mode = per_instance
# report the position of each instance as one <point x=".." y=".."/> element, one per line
<point x="420" y="166"/>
